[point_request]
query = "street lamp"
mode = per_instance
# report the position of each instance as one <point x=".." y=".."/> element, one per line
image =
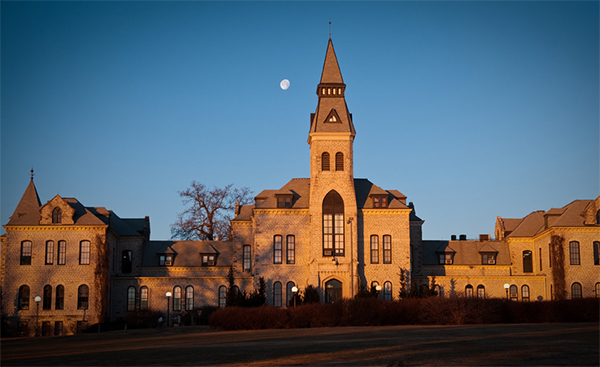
<point x="294" y="291"/>
<point x="168" y="306"/>
<point x="378" y="289"/>
<point x="37" y="300"/>
<point x="506" y="286"/>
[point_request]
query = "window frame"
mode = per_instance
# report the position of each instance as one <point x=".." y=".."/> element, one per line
<point x="59" y="302"/>
<point x="83" y="297"/>
<point x="209" y="259"/>
<point x="513" y="290"/>
<point x="189" y="298"/>
<point x="289" y="295"/>
<point x="446" y="258"/>
<point x="374" y="249"/>
<point x="333" y="225"/>
<point x="165" y="260"/>
<point x="144" y="305"/>
<point x="388" y="291"/>
<point x="222" y="296"/>
<point x="126" y="261"/>
<point x="47" y="297"/>
<point x="387" y="249"/>
<point x="596" y="245"/>
<point x="247" y="258"/>
<point x="62" y="253"/>
<point x="277" y="249"/>
<point x="574" y="253"/>
<point x="277" y="294"/>
<point x="325" y="161"/>
<point x="488" y="258"/>
<point x="49" y="252"/>
<point x="527" y="261"/>
<point x="525" y="293"/>
<point x="597" y="289"/>
<point x="24" y="295"/>
<point x="290" y="246"/>
<point x="85" y="249"/>
<point x="56" y="216"/>
<point x="481" y="291"/>
<point x="339" y="162"/>
<point x="576" y="290"/>
<point x="26" y="252"/>
<point x="177" y="298"/>
<point x="469" y="292"/>
<point x="131" y="296"/>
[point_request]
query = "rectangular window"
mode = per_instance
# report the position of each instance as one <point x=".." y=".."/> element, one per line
<point x="58" y="328"/>
<point x="84" y="253"/>
<point x="60" y="298"/>
<point x="247" y="258"/>
<point x="339" y="234"/>
<point x="144" y="298"/>
<point x="574" y="252"/>
<point x="374" y="249"/>
<point x="62" y="253"/>
<point x="327" y="234"/>
<point x="208" y="260"/>
<point x="277" y="249"/>
<point x="387" y="249"/>
<point x="284" y="201"/>
<point x="165" y="260"/>
<point x="131" y="299"/>
<point x="47" y="300"/>
<point x="49" y="252"/>
<point x="596" y="253"/>
<point x="26" y="253"/>
<point x="291" y="249"/>
<point x="540" y="259"/>
<point x="446" y="258"/>
<point x="488" y="259"/>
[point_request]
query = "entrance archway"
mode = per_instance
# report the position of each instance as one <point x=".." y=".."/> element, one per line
<point x="333" y="291"/>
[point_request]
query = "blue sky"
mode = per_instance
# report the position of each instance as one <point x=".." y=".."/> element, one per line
<point x="471" y="109"/>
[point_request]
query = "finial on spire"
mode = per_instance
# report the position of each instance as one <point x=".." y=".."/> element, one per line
<point x="330" y="29"/>
<point x="31" y="173"/>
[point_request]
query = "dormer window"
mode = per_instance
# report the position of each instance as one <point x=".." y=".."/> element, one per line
<point x="380" y="201"/>
<point x="488" y="259"/>
<point x="284" y="201"/>
<point x="165" y="260"/>
<point x="208" y="260"/>
<point x="446" y="258"/>
<point x="56" y="215"/>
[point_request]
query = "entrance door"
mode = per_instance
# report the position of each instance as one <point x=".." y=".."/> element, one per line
<point x="333" y="291"/>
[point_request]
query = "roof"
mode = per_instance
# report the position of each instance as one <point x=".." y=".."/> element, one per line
<point x="188" y="253"/>
<point x="27" y="211"/>
<point x="331" y="69"/>
<point x="465" y="252"/>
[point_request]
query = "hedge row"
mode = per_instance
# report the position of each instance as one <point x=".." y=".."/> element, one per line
<point x="416" y="311"/>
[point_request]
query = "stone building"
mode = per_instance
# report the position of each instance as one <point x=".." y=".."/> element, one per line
<point x="331" y="231"/>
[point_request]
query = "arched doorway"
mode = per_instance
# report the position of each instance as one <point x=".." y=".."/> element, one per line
<point x="333" y="291"/>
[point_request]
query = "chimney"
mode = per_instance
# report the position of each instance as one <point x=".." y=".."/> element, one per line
<point x="485" y="237"/>
<point x="462" y="237"/>
<point x="453" y="237"/>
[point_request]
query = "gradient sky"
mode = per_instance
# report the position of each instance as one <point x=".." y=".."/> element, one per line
<point x="471" y="109"/>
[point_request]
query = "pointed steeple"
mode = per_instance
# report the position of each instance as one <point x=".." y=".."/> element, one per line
<point x="331" y="90"/>
<point x="28" y="210"/>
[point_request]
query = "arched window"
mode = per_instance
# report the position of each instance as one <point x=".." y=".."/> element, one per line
<point x="277" y="251"/>
<point x="387" y="291"/>
<point x="439" y="291"/>
<point x="339" y="161"/>
<point x="597" y="290"/>
<point x="525" y="293"/>
<point x="131" y="298"/>
<point x="576" y="290"/>
<point x="480" y="291"/>
<point x="574" y="252"/>
<point x="222" y="296"/>
<point x="56" y="216"/>
<point x="24" y="297"/>
<point x="49" y="252"/>
<point x="126" y="262"/>
<point x="387" y="249"/>
<point x="144" y="298"/>
<point x="333" y="291"/>
<point x="596" y="253"/>
<point x="26" y="253"/>
<point x="189" y="298"/>
<point x="514" y="296"/>
<point x="247" y="258"/>
<point x="291" y="249"/>
<point x="527" y="262"/>
<point x="83" y="293"/>
<point x="62" y="252"/>
<point x="469" y="291"/>
<point x="288" y="293"/>
<point x="177" y="298"/>
<point x="47" y="303"/>
<point x="333" y="225"/>
<point x="374" y="249"/>
<point x="84" y="253"/>
<point x="277" y="294"/>
<point x="325" y="161"/>
<point x="59" y="303"/>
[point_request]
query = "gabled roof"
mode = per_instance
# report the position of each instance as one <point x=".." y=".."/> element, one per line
<point x="465" y="252"/>
<point x="28" y="209"/>
<point x="187" y="253"/>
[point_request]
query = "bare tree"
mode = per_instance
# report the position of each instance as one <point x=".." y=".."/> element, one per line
<point x="209" y="213"/>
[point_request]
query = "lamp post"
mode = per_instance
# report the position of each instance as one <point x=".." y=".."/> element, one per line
<point x="294" y="292"/>
<point x="506" y="286"/>
<point x="378" y="289"/>
<point x="37" y="300"/>
<point x="168" y="306"/>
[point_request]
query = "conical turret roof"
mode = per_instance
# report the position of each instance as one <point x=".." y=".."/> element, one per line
<point x="331" y="68"/>
<point x="28" y="210"/>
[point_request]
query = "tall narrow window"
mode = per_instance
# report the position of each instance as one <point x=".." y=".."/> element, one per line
<point x="62" y="253"/>
<point x="47" y="302"/>
<point x="325" y="161"/>
<point x="480" y="291"/>
<point x="469" y="291"/>
<point x="222" y="296"/>
<point x="596" y="253"/>
<point x="527" y="262"/>
<point x="277" y="249"/>
<point x="525" y="293"/>
<point x="374" y="249"/>
<point x="26" y="253"/>
<point x="597" y="290"/>
<point x="333" y="225"/>
<point x="339" y="161"/>
<point x="514" y="296"/>
<point x="49" y="252"/>
<point x="289" y="294"/>
<point x="144" y="298"/>
<point x="540" y="259"/>
<point x="83" y="293"/>
<point x="277" y="294"/>
<point x="576" y="290"/>
<point x="574" y="252"/>
<point x="56" y="216"/>
<point x="131" y="298"/>
<point x="59" y="303"/>
<point x="291" y="249"/>
<point x="387" y="249"/>
<point x="84" y="253"/>
<point x="23" y="297"/>
<point x="189" y="298"/>
<point x="247" y="254"/>
<point x="387" y="291"/>
<point x="177" y="298"/>
<point x="549" y="255"/>
<point x="126" y="262"/>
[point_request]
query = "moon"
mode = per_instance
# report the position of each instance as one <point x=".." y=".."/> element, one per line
<point x="285" y="84"/>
